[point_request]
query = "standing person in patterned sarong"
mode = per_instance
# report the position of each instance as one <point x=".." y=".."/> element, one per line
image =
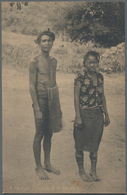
<point x="45" y="96"/>
<point x="91" y="113"/>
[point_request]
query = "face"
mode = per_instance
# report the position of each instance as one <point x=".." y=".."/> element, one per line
<point x="46" y="43"/>
<point x="91" y="63"/>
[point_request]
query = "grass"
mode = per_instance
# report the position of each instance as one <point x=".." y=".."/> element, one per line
<point x="18" y="47"/>
<point x="69" y="59"/>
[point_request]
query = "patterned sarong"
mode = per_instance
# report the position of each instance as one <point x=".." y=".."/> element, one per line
<point x="88" y="138"/>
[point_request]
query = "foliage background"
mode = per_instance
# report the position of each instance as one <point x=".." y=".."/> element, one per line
<point x="79" y="27"/>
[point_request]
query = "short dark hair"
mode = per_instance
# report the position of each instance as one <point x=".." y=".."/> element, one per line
<point x="48" y="33"/>
<point x="91" y="53"/>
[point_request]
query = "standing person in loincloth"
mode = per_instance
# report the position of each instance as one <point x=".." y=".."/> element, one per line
<point x="45" y="96"/>
<point x="91" y="113"/>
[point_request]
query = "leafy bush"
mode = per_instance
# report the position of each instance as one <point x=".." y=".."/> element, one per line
<point x="102" y="22"/>
<point x="113" y="60"/>
<point x="17" y="51"/>
<point x="17" y="56"/>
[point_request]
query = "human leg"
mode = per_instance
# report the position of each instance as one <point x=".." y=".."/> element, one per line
<point x="40" y="129"/>
<point x="47" y="149"/>
<point x="79" y="146"/>
<point x="37" y="154"/>
<point x="80" y="162"/>
<point x="37" y="148"/>
<point x="93" y="158"/>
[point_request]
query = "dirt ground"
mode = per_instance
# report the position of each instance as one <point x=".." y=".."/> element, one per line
<point x="18" y="133"/>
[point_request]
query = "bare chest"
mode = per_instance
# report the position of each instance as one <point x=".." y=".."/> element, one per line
<point x="46" y="67"/>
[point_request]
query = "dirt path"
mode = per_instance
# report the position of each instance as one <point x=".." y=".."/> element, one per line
<point x="18" y="133"/>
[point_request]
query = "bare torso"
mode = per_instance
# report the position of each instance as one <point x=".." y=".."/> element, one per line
<point x="45" y="74"/>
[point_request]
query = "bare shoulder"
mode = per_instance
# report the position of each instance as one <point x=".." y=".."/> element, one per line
<point x="54" y="61"/>
<point x="33" y="63"/>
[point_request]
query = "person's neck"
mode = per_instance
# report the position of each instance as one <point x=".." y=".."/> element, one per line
<point x="45" y="54"/>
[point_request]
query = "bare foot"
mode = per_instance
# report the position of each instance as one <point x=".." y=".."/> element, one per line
<point x="41" y="173"/>
<point x="84" y="176"/>
<point x="49" y="168"/>
<point x="94" y="176"/>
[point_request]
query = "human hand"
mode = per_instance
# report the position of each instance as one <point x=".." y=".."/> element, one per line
<point x="39" y="117"/>
<point x="78" y="122"/>
<point x="107" y="120"/>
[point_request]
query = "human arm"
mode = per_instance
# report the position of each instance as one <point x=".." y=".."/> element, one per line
<point x="106" y="120"/>
<point x="32" y="83"/>
<point x="53" y="67"/>
<point x="55" y="83"/>
<point x="78" y="120"/>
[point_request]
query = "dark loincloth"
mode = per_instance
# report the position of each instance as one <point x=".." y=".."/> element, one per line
<point x="55" y="114"/>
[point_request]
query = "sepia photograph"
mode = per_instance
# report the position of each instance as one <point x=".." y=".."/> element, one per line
<point x="63" y="97"/>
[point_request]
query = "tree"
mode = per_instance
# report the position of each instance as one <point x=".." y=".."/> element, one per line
<point x="102" y="22"/>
